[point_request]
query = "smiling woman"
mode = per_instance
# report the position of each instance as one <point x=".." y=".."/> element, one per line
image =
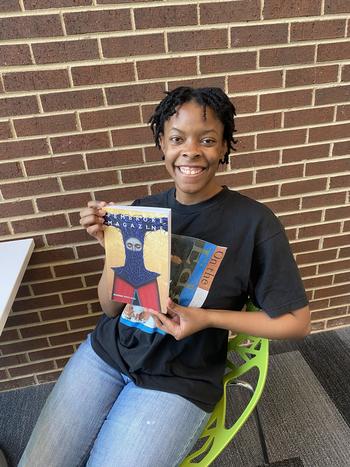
<point x="121" y="376"/>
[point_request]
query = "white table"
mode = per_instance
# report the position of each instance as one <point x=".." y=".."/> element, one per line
<point x="14" y="258"/>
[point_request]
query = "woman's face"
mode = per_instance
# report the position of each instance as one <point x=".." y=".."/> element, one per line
<point x="192" y="147"/>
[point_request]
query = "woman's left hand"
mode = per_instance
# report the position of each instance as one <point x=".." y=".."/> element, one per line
<point x="181" y="321"/>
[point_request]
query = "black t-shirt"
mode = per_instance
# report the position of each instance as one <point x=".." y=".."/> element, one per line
<point x="258" y="262"/>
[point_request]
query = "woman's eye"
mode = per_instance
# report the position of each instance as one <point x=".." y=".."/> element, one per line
<point x="208" y="141"/>
<point x="175" y="139"/>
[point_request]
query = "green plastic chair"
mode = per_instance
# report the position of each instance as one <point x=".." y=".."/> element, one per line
<point x="254" y="351"/>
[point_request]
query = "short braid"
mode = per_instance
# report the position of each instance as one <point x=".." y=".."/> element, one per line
<point x="215" y="98"/>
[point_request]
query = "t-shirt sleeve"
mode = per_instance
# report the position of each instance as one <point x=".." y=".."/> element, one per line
<point x="275" y="284"/>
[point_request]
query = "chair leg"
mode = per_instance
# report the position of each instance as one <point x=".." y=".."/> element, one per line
<point x="250" y="388"/>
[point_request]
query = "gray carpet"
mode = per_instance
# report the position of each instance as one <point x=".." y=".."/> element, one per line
<point x="305" y="409"/>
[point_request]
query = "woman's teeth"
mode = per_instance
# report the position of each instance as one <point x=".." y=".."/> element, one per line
<point x="190" y="170"/>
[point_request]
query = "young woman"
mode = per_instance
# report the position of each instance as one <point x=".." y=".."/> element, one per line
<point x="130" y="398"/>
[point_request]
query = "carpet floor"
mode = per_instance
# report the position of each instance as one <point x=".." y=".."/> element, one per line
<point x="305" y="408"/>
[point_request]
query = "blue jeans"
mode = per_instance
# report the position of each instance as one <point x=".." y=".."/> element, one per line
<point x="97" y="415"/>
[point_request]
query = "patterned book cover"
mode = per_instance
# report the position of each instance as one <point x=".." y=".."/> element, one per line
<point x="137" y="243"/>
<point x="194" y="265"/>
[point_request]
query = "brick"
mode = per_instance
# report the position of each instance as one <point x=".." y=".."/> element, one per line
<point x="5" y="130"/>
<point x="337" y="213"/>
<point x="37" y="274"/>
<point x="54" y="165"/>
<point x="144" y="44"/>
<point x="166" y="67"/>
<point x="12" y="360"/>
<point x="67" y="51"/>
<point x="153" y="154"/>
<point x="346" y="73"/>
<point x="287" y="55"/>
<point x="48" y="377"/>
<point x="307" y="217"/>
<point x="89" y="180"/>
<point x="20" y="319"/>
<point x="261" y="193"/>
<point x="262" y="122"/>
<point x="99" y="160"/>
<point x="69" y="338"/>
<point x="101" y="74"/>
<point x="17" y="54"/>
<point x="336" y="6"/>
<point x="49" y="124"/>
<point x="332" y="95"/>
<point x="9" y="335"/>
<point x="30" y="369"/>
<point x="134" y="93"/>
<point x="79" y="267"/>
<point x="83" y="22"/>
<point x="333" y="323"/>
<point x="245" y="144"/>
<point x="243" y="10"/>
<point x="227" y="62"/>
<point x="128" y="136"/>
<point x="316" y="257"/>
<point x="16" y="383"/>
<point x="9" y="5"/>
<point x="283" y="205"/>
<point x="18" y="207"/>
<point x="88" y="251"/>
<point x="323" y="200"/>
<point x="80" y="142"/>
<point x="304" y="186"/>
<point x="44" y="329"/>
<point x="68" y="237"/>
<point x="245" y="104"/>
<point x="39" y="223"/>
<point x="4" y="229"/>
<point x="308" y="117"/>
<point x="36" y="80"/>
<point x="25" y="27"/>
<point x="331" y="132"/>
<point x="61" y="285"/>
<point x="319" y="230"/>
<point x="309" y="30"/>
<point x="44" y="4"/>
<point x="344" y="300"/>
<point x="328" y="313"/>
<point x="279" y="173"/>
<point x="23" y="346"/>
<point x="11" y="106"/>
<point x="340" y="182"/>
<point x="344" y="252"/>
<point x="305" y="153"/>
<point x="316" y="282"/>
<point x="23" y="291"/>
<point x="10" y="170"/>
<point x="63" y="202"/>
<point x="276" y="9"/>
<point x="341" y="149"/>
<point x="35" y="303"/>
<point x="52" y="255"/>
<point x="247" y="36"/>
<point x="331" y="291"/>
<point x="255" y="81"/>
<point x="334" y="51"/>
<point x="281" y="138"/>
<point x="343" y="112"/>
<point x="52" y="352"/>
<point x="315" y="75"/>
<point x="72" y="100"/>
<point x="165" y="16"/>
<point x="122" y="194"/>
<point x="197" y="40"/>
<point x="74" y="219"/>
<point x="30" y="188"/>
<point x="235" y="179"/>
<point x="305" y="245"/>
<point x="307" y="271"/>
<point x="341" y="278"/>
<point x="109" y="117"/>
<point x="92" y="280"/>
<point x="212" y="81"/>
<point x="286" y="100"/>
<point x="83" y="322"/>
<point x="327" y="167"/>
<point x="80" y="295"/>
<point x="143" y="174"/>
<point x="25" y="148"/>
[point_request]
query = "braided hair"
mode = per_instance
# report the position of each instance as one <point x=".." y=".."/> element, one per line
<point x="215" y="98"/>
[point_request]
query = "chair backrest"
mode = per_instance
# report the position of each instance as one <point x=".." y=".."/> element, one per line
<point x="253" y="353"/>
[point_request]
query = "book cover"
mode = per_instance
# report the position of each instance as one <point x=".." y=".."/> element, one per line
<point x="137" y="244"/>
<point x="194" y="265"/>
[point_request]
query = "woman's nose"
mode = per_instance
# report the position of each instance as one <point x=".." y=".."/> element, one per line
<point x="191" y="149"/>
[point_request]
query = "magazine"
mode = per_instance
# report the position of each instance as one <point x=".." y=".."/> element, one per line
<point x="137" y="243"/>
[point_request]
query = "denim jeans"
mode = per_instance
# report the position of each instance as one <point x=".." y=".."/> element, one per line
<point x="97" y="415"/>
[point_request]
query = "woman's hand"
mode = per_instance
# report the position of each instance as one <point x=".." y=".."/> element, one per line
<point x="181" y="321"/>
<point x="91" y="218"/>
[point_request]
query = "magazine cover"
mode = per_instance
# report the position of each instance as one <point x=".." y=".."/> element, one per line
<point x="137" y="244"/>
<point x="194" y="264"/>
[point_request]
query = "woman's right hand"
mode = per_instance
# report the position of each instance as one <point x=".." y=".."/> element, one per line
<point x="91" y="218"/>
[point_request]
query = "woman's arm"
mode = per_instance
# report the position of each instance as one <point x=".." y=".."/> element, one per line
<point x="183" y="321"/>
<point x="109" y="307"/>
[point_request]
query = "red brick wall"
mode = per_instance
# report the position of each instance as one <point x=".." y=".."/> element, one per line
<point x="78" y="80"/>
